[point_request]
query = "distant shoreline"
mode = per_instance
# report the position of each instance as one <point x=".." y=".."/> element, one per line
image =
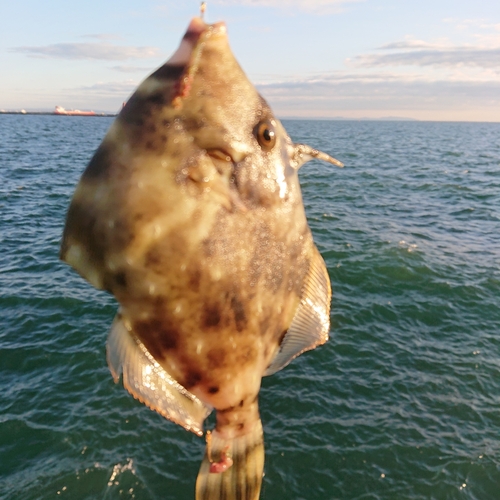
<point x="51" y="113"/>
<point x="280" y="117"/>
<point x="336" y="118"/>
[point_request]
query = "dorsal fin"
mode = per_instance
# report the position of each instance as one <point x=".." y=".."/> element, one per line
<point x="148" y="382"/>
<point x="311" y="323"/>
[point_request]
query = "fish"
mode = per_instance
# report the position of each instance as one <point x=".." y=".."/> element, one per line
<point x="190" y="214"/>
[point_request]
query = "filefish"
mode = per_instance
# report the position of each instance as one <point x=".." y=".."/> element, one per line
<point x="190" y="214"/>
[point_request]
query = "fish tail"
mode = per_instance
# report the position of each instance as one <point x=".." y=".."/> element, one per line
<point x="232" y="469"/>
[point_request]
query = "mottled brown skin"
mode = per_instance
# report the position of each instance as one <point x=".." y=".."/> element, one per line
<point x="195" y="228"/>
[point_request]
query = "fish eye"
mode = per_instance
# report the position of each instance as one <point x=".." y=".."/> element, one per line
<point x="265" y="134"/>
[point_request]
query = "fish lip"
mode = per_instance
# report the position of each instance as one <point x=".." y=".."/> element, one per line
<point x="221" y="153"/>
<point x="196" y="27"/>
<point x="189" y="53"/>
<point x="223" y="161"/>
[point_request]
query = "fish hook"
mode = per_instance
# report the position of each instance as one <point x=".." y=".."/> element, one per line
<point x="225" y="461"/>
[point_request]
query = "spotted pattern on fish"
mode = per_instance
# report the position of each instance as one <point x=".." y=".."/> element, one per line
<point x="190" y="214"/>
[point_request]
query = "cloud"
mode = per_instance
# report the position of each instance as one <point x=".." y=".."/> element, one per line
<point x="417" y="53"/>
<point x="384" y="94"/>
<point x="492" y="26"/>
<point x="468" y="24"/>
<point x="414" y="44"/>
<point x="317" y="6"/>
<point x="375" y="87"/>
<point x="103" y="36"/>
<point x="422" y="79"/>
<point x="440" y="54"/>
<point x="132" y="69"/>
<point x="114" y="89"/>
<point x="480" y="49"/>
<point x="103" y="51"/>
<point x="314" y="83"/>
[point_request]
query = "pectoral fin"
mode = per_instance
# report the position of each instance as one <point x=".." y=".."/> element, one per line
<point x="148" y="382"/>
<point x="311" y="323"/>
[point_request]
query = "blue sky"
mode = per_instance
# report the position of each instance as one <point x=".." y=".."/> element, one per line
<point x="428" y="60"/>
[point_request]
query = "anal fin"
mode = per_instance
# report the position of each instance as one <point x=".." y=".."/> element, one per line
<point x="311" y="324"/>
<point x="148" y="382"/>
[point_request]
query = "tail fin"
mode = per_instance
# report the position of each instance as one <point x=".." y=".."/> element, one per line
<point x="241" y="462"/>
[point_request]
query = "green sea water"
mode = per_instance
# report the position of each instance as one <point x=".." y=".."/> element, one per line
<point x="403" y="403"/>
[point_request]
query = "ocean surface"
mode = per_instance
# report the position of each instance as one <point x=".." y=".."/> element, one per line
<point x="403" y="403"/>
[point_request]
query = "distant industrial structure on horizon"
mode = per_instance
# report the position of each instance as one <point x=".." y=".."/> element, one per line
<point x="58" y="111"/>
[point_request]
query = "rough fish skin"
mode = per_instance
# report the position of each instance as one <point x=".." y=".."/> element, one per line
<point x="190" y="214"/>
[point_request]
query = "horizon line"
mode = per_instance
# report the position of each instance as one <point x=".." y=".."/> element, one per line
<point x="102" y="113"/>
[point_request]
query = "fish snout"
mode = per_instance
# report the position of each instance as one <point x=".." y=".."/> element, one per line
<point x="197" y="32"/>
<point x="198" y="27"/>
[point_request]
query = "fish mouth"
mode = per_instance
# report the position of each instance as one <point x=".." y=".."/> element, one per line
<point x="220" y="155"/>
<point x="224" y="180"/>
<point x="196" y="33"/>
<point x="224" y="164"/>
<point x="223" y="154"/>
<point x="197" y="26"/>
<point x="189" y="54"/>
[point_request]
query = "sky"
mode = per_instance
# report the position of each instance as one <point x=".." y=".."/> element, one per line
<point x="425" y="59"/>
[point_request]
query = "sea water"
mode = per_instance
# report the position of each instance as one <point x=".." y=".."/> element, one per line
<point x="403" y="403"/>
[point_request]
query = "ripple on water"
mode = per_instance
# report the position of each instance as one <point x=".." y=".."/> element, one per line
<point x="400" y="404"/>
